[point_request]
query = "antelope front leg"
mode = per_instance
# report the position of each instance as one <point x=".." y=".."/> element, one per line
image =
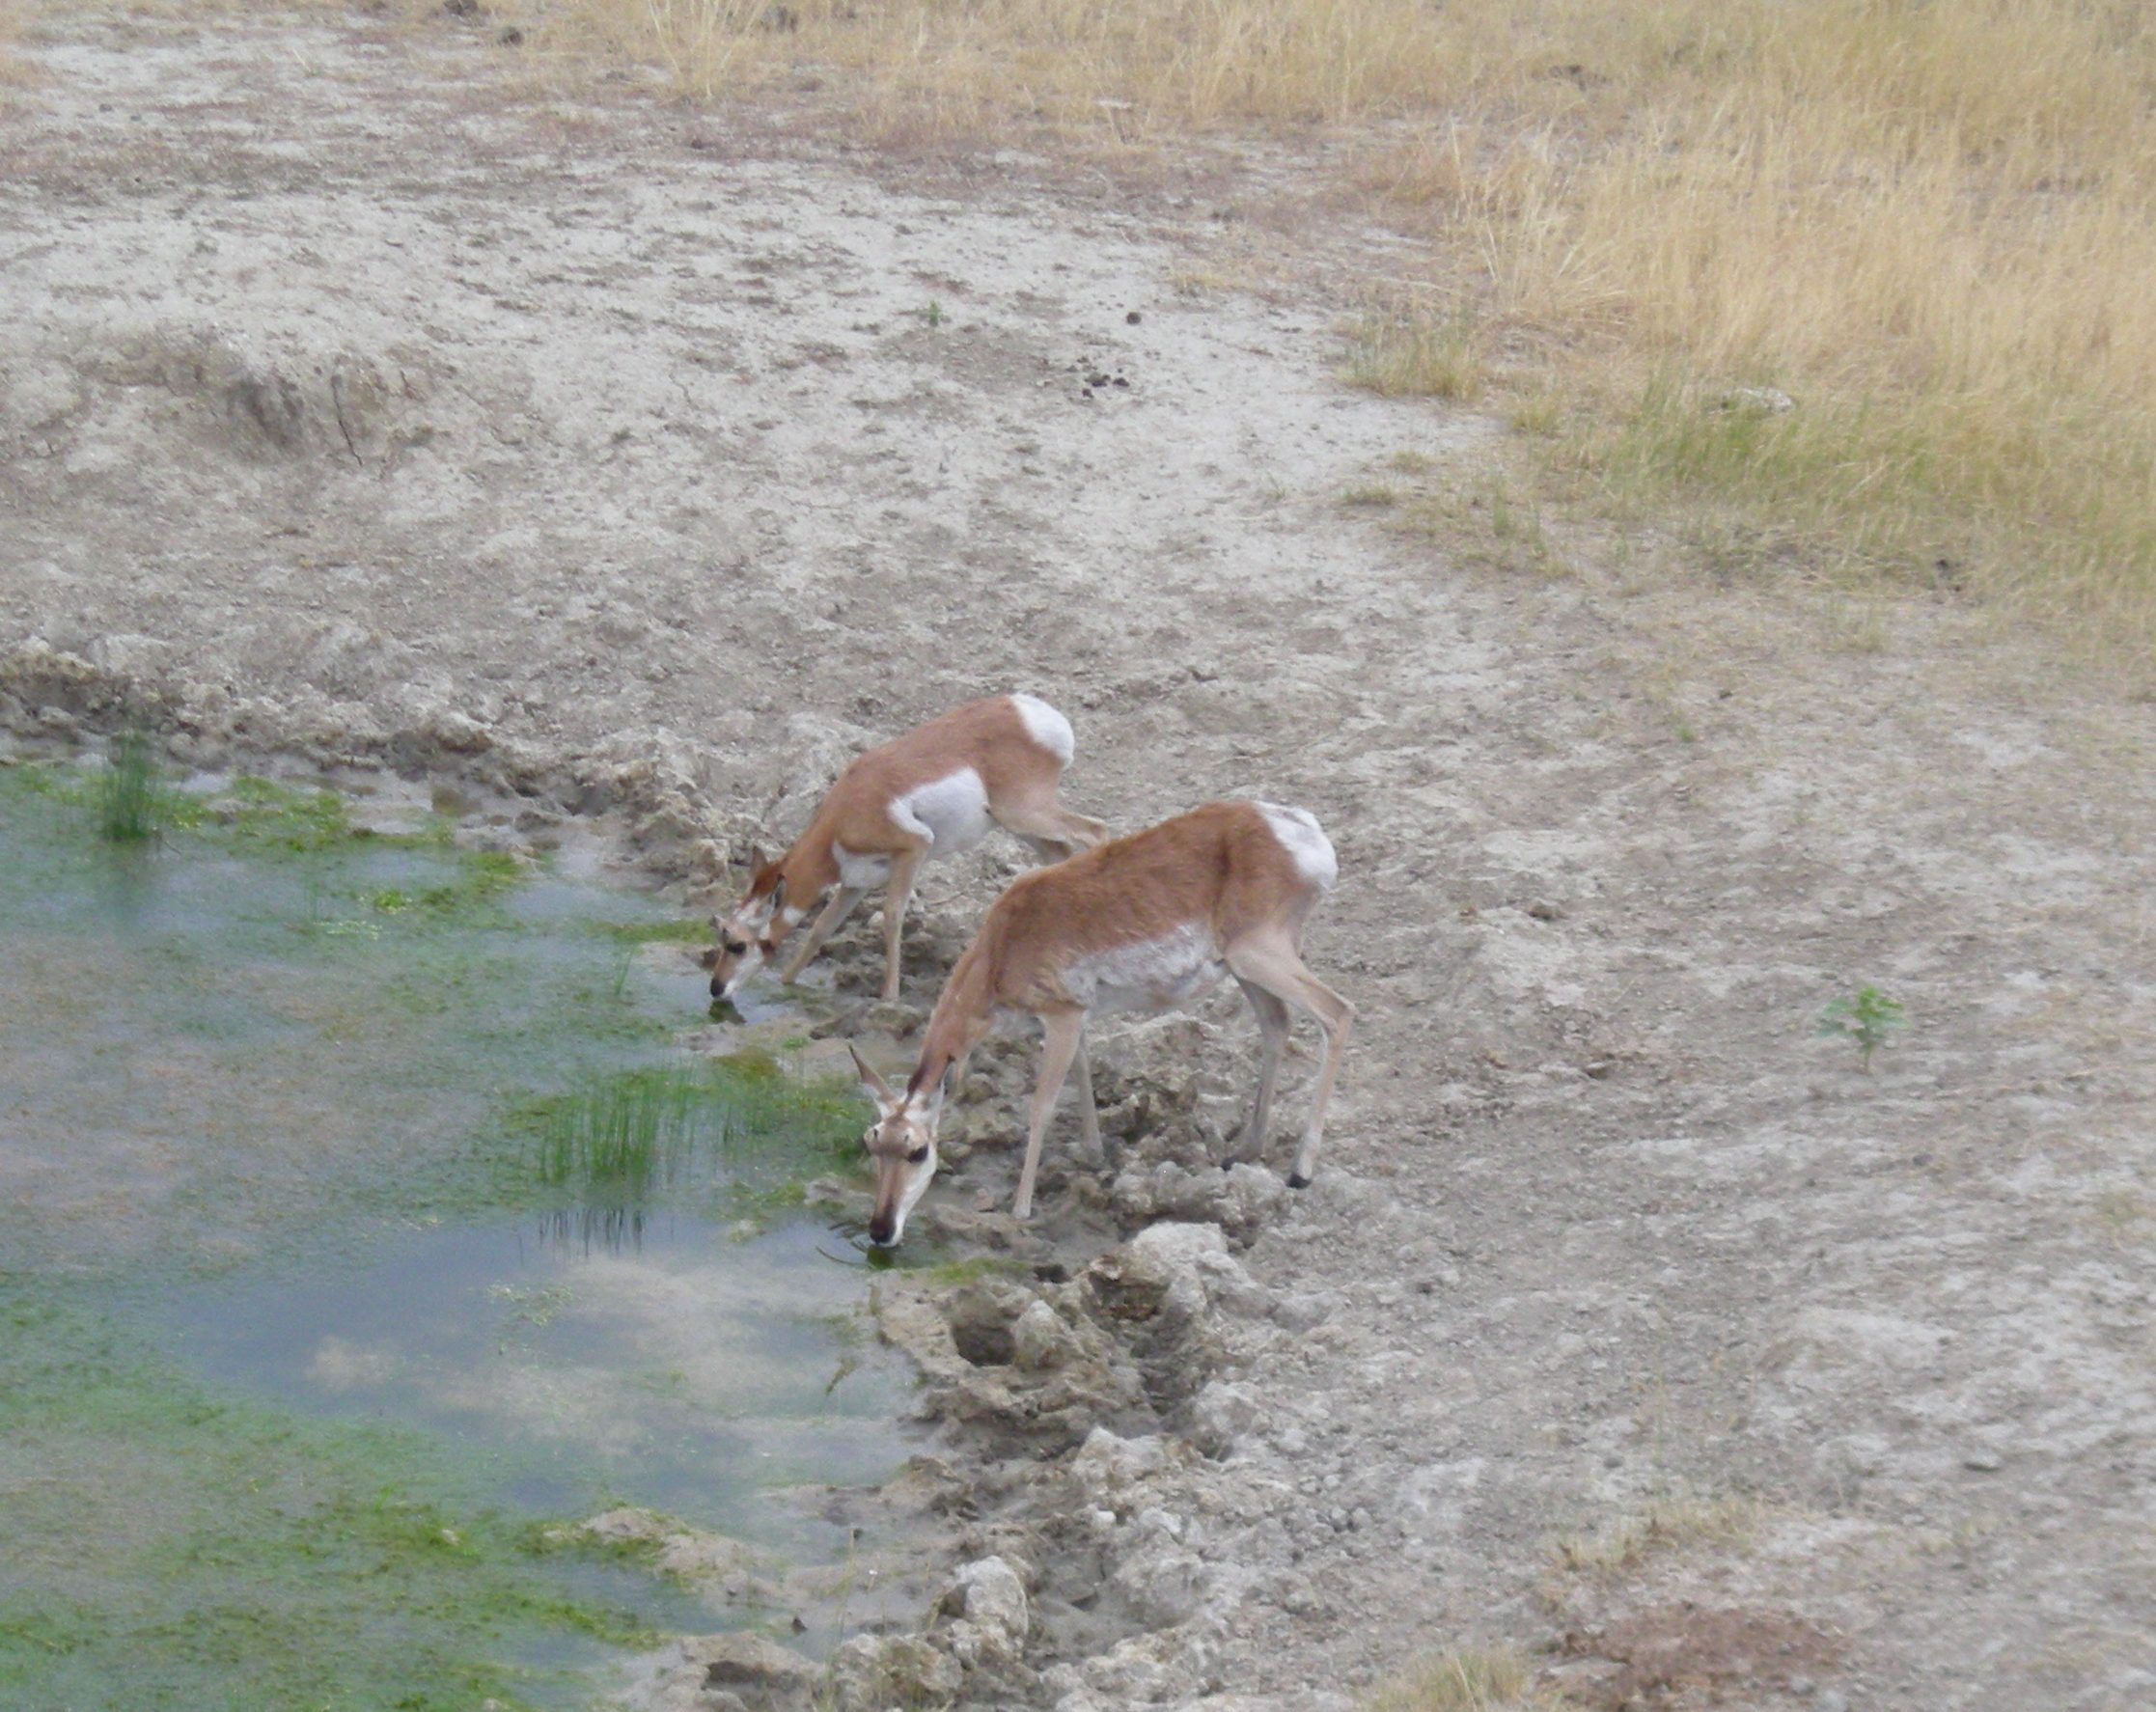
<point x="836" y="911"/>
<point x="1063" y="1032"/>
<point x="895" y="895"/>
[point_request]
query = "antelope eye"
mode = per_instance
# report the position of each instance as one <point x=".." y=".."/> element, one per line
<point x="919" y="1157"/>
<point x="736" y="947"/>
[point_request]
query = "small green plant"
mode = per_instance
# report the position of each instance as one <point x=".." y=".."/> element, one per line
<point x="1866" y="1017"/>
<point x="934" y="313"/>
<point x="130" y="800"/>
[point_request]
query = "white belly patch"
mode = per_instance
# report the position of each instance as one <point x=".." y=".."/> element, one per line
<point x="1150" y="974"/>
<point x="951" y="812"/>
<point x="858" y="874"/>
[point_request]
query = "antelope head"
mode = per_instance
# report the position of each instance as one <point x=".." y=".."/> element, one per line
<point x="902" y="1143"/>
<point x="749" y="937"/>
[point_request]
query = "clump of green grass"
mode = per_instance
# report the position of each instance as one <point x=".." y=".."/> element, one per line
<point x="1417" y="356"/>
<point x="1465" y="1680"/>
<point x="1493" y="524"/>
<point x="625" y="1137"/>
<point x="130" y="793"/>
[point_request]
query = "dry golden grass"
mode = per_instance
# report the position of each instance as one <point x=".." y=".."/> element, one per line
<point x="1673" y="1519"/>
<point x="1138" y="67"/>
<point x="1929" y="224"/>
<point x="1464" y="1679"/>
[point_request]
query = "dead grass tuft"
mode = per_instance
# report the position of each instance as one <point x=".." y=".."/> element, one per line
<point x="1671" y="1520"/>
<point x="1139" y="69"/>
<point x="1465" y="1680"/>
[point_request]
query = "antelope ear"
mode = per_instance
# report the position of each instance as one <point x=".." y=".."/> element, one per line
<point x="778" y="896"/>
<point x="756" y="859"/>
<point x="943" y="1087"/>
<point x="871" y="1083"/>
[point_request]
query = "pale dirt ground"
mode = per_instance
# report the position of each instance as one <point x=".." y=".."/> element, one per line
<point x="354" y="402"/>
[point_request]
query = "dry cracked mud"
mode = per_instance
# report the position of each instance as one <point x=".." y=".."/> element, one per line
<point x="362" y="407"/>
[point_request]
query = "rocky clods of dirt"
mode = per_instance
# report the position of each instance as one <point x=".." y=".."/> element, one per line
<point x="650" y="791"/>
<point x="1122" y="1482"/>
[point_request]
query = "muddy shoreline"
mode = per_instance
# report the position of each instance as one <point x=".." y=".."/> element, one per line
<point x="1066" y="1371"/>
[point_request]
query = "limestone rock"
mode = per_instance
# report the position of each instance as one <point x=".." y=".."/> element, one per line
<point x="1223" y="1413"/>
<point x="1041" y="1340"/>
<point x="1111" y="1469"/>
<point x="1163" y="1582"/>
<point x="871" y="1673"/>
<point x="1142" y="1670"/>
<point x="1241" y="1200"/>
<point x="988" y="1600"/>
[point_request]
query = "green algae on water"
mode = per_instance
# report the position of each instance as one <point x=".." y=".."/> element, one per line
<point x="214" y="1555"/>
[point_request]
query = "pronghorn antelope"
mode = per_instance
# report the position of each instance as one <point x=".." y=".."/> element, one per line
<point x="925" y="795"/>
<point x="1146" y="922"/>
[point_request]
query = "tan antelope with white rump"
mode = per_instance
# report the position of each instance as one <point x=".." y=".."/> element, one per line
<point x="925" y="795"/>
<point x="1148" y="923"/>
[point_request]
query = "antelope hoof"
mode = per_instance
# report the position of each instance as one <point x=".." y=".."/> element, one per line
<point x="1296" y="1180"/>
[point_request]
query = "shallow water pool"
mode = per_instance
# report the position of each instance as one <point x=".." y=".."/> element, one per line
<point x="359" y="1217"/>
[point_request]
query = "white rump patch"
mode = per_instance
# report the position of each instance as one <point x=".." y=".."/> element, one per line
<point x="1305" y="843"/>
<point x="1047" y="728"/>
<point x="1149" y="975"/>
<point x="951" y="812"/>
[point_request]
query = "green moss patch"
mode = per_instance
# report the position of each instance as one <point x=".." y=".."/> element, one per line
<point x="214" y="1555"/>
